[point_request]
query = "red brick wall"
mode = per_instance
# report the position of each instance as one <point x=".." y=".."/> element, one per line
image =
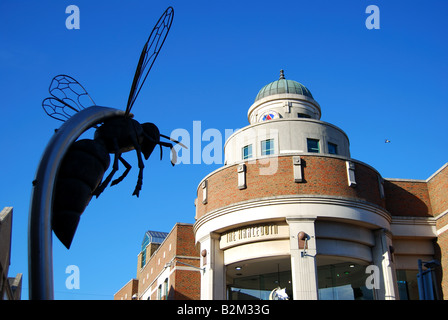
<point x="407" y="198"/>
<point x="127" y="291"/>
<point x="187" y="285"/>
<point x="442" y="256"/>
<point x="185" y="242"/>
<point x="438" y="191"/>
<point x="323" y="176"/>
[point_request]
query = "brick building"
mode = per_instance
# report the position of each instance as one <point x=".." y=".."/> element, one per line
<point x="292" y="215"/>
<point x="167" y="267"/>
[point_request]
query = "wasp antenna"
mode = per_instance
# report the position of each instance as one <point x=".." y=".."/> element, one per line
<point x="175" y="141"/>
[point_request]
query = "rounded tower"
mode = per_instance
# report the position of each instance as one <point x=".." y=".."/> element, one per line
<point x="290" y="209"/>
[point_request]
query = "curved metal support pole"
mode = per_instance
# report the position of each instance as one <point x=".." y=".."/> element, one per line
<point x="40" y="256"/>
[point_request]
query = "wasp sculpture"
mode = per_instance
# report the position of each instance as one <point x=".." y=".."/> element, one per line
<point x="85" y="163"/>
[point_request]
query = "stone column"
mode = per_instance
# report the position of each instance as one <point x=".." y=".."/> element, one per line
<point x="387" y="288"/>
<point x="303" y="257"/>
<point x="213" y="278"/>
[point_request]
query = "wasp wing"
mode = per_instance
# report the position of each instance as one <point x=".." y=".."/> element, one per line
<point x="58" y="109"/>
<point x="68" y="97"/>
<point x="149" y="54"/>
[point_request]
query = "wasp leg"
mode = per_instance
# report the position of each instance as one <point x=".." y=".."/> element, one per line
<point x="104" y="184"/>
<point x="173" y="152"/>
<point x="138" y="187"/>
<point x="128" y="168"/>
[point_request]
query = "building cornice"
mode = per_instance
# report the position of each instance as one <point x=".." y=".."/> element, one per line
<point x="408" y="226"/>
<point x="293" y="199"/>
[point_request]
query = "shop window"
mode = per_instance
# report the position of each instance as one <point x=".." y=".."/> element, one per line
<point x="407" y="284"/>
<point x="332" y="148"/>
<point x="343" y="281"/>
<point x="261" y="287"/>
<point x="313" y="145"/>
<point x="247" y="152"/>
<point x="260" y="279"/>
<point x="267" y="147"/>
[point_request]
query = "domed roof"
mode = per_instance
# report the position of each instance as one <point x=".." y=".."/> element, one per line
<point x="283" y="86"/>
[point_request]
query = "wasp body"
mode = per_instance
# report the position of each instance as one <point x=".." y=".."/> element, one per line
<point x="80" y="175"/>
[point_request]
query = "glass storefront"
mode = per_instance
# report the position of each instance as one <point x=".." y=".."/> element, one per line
<point x="343" y="281"/>
<point x="407" y="284"/>
<point x="262" y="287"/>
<point x="262" y="279"/>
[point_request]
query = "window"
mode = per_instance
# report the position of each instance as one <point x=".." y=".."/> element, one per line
<point x="143" y="262"/>
<point x="143" y="251"/>
<point x="343" y="281"/>
<point x="408" y="284"/>
<point x="247" y="152"/>
<point x="159" y="292"/>
<point x="313" y="145"/>
<point x="332" y="148"/>
<point x="165" y="288"/>
<point x="267" y="147"/>
<point x="303" y="115"/>
<point x="260" y="286"/>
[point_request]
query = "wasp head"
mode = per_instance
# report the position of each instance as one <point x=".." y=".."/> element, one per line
<point x="150" y="140"/>
<point x="152" y="137"/>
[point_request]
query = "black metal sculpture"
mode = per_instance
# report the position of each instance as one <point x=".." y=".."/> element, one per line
<point x="82" y="170"/>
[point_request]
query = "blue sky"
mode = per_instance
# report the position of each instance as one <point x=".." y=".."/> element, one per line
<point x="389" y="83"/>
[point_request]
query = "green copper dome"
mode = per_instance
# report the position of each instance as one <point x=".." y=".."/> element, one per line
<point x="283" y="86"/>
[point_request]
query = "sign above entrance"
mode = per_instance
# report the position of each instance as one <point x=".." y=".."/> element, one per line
<point x="253" y="233"/>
